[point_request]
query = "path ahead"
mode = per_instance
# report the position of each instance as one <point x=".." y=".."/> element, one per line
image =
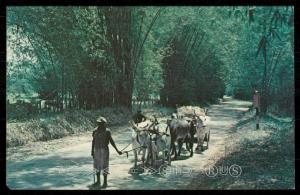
<point x="66" y="163"/>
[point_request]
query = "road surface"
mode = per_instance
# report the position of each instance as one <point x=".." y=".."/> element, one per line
<point x="66" y="163"/>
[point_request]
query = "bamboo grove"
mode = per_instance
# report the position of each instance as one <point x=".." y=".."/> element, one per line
<point x="93" y="57"/>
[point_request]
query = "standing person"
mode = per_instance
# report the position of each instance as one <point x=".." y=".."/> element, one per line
<point x="256" y="105"/>
<point x="100" y="151"/>
<point x="139" y="117"/>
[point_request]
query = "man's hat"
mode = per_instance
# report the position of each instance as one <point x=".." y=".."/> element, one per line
<point x="101" y="120"/>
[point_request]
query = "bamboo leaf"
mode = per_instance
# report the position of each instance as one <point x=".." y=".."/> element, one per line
<point x="261" y="45"/>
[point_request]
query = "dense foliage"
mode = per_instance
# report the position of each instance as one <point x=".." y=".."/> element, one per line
<point x="92" y="57"/>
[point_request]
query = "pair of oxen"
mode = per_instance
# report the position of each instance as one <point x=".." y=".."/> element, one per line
<point x="154" y="140"/>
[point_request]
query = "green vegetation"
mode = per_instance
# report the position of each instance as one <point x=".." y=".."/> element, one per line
<point x="266" y="157"/>
<point x="45" y="126"/>
<point x="94" y="57"/>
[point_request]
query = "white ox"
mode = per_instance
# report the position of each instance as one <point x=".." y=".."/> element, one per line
<point x="160" y="145"/>
<point x="202" y="132"/>
<point x="140" y="140"/>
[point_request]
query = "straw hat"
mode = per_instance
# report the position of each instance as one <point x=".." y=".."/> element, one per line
<point x="101" y="120"/>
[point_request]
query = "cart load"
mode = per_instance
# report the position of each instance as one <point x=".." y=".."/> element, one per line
<point x="189" y="111"/>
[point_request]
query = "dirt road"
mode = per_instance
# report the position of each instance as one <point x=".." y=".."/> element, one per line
<point x="66" y="163"/>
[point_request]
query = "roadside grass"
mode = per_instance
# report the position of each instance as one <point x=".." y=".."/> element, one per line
<point x="48" y="126"/>
<point x="266" y="158"/>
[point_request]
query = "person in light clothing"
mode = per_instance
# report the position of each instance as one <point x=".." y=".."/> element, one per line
<point x="100" y="151"/>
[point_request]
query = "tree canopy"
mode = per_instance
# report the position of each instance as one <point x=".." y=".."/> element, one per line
<point x="104" y="56"/>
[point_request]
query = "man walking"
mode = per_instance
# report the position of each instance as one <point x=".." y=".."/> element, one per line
<point x="256" y="105"/>
<point x="100" y="151"/>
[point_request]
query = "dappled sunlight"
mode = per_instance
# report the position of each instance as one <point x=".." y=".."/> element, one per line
<point x="70" y="166"/>
<point x="207" y="81"/>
